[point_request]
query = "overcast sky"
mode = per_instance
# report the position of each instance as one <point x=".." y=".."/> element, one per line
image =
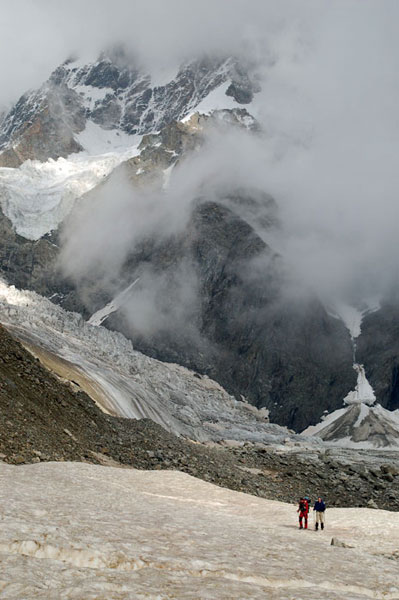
<point x="36" y="35"/>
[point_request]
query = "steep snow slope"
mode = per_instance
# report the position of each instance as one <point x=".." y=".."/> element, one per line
<point x="79" y="531"/>
<point x="132" y="384"/>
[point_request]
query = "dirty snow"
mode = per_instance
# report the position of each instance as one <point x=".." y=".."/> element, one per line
<point x="78" y="531"/>
<point x="359" y="426"/>
<point x="326" y="420"/>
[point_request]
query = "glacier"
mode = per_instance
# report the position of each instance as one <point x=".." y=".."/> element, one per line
<point x="130" y="384"/>
<point x="37" y="196"/>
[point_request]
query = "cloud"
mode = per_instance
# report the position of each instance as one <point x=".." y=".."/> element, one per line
<point x="37" y="36"/>
<point x="332" y="117"/>
<point x="328" y="106"/>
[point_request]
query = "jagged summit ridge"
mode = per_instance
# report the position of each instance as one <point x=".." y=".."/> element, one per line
<point x="113" y="94"/>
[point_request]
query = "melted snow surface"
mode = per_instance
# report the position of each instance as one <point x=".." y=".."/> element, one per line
<point x="132" y="384"/>
<point x="79" y="531"/>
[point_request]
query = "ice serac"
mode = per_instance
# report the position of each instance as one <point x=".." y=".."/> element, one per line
<point x="38" y="196"/>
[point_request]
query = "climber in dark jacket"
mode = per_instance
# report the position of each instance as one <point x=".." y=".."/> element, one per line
<point x="320" y="509"/>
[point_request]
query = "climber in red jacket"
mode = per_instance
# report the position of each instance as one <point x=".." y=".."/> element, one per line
<point x="303" y="511"/>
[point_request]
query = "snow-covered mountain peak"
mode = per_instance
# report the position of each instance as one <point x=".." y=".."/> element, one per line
<point x="60" y="141"/>
<point x="116" y="95"/>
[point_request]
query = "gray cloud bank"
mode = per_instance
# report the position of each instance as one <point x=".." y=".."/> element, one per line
<point x="328" y="107"/>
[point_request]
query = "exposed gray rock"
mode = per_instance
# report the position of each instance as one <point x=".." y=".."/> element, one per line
<point x="339" y="543"/>
<point x="378" y="350"/>
<point x="42" y="125"/>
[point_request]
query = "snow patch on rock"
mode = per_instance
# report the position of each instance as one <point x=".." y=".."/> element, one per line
<point x="96" y="141"/>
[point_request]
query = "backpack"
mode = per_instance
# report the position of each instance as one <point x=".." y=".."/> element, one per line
<point x="302" y="506"/>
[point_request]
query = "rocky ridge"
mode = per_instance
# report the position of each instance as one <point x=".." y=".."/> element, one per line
<point x="114" y="94"/>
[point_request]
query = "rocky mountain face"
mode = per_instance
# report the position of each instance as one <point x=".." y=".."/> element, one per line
<point x="26" y="264"/>
<point x="378" y="350"/>
<point x="42" y="125"/>
<point x="291" y="357"/>
<point x="217" y="286"/>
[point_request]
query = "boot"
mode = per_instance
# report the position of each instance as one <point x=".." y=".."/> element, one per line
<point x="317" y="526"/>
<point x="322" y="525"/>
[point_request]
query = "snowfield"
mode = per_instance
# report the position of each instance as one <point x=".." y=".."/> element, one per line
<point x="77" y="531"/>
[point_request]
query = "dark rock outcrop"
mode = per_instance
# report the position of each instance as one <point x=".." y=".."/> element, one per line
<point x="32" y="265"/>
<point x="378" y="351"/>
<point x="42" y="125"/>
